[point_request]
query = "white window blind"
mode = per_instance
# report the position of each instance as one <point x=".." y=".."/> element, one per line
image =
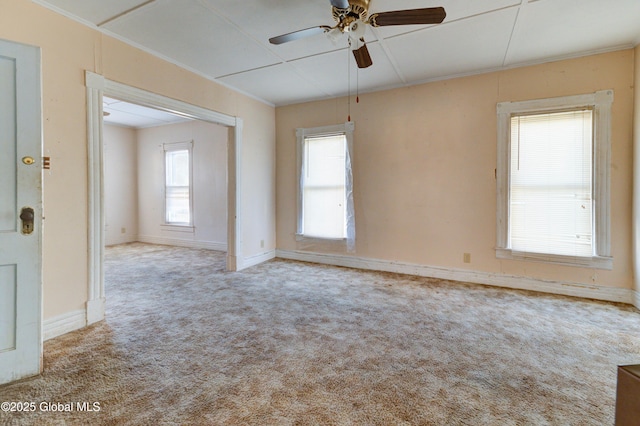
<point x="323" y="187"/>
<point x="177" y="187"/>
<point x="551" y="203"/>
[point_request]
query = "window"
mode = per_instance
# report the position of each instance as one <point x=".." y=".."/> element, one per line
<point x="177" y="189"/>
<point x="324" y="195"/>
<point x="553" y="180"/>
<point x="325" y="202"/>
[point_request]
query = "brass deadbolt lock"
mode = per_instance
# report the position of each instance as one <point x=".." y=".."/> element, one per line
<point x="28" y="160"/>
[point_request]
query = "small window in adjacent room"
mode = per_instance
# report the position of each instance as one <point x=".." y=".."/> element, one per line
<point x="553" y="180"/>
<point x="325" y="203"/>
<point x="178" y="193"/>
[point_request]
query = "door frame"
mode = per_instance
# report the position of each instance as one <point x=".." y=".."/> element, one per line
<point x="97" y="86"/>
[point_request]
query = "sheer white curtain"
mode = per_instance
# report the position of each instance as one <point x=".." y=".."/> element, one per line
<point x="325" y="198"/>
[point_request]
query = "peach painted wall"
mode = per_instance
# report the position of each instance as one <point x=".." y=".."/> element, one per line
<point x="424" y="160"/>
<point x="68" y="49"/>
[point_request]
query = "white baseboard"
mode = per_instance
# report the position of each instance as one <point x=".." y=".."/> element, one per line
<point x="250" y="261"/>
<point x="123" y="239"/>
<point x="65" y="323"/>
<point x="95" y="310"/>
<point x="494" y="279"/>
<point x="62" y="324"/>
<point x="208" y="245"/>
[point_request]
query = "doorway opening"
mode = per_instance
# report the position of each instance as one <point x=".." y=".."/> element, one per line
<point x="165" y="178"/>
<point x="97" y="88"/>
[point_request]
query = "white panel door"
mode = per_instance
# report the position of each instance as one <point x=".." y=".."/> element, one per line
<point x="20" y="191"/>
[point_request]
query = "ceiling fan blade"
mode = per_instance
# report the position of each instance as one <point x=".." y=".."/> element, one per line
<point x="296" y="35"/>
<point x="363" y="59"/>
<point x="340" y="4"/>
<point x="429" y="15"/>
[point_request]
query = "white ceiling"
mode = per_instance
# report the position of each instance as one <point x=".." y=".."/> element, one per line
<point x="136" y="116"/>
<point x="227" y="40"/>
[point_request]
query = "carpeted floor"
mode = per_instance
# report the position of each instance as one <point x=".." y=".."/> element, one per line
<point x="290" y="343"/>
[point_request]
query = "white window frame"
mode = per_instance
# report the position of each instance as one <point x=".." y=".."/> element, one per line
<point x="175" y="226"/>
<point x="347" y="130"/>
<point x="600" y="102"/>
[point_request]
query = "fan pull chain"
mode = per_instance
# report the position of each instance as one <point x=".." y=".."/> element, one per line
<point x="349" y="81"/>
<point x="357" y="85"/>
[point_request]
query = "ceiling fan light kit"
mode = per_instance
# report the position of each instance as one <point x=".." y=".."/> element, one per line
<point x="351" y="16"/>
<point x="334" y="34"/>
<point x="356" y="29"/>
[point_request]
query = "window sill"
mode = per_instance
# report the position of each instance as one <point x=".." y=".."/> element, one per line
<point x="302" y="237"/>
<point x="598" y="262"/>
<point x="178" y="228"/>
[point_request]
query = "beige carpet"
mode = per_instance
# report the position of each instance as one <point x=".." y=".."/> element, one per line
<point x="290" y="343"/>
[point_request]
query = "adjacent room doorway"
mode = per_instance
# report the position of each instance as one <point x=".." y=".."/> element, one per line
<point x="97" y="87"/>
<point x="165" y="178"/>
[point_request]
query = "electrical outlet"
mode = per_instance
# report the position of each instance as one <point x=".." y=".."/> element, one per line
<point x="466" y="258"/>
<point x="261" y="243"/>
<point x="123" y="230"/>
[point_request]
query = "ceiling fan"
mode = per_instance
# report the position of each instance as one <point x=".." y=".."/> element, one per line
<point x="352" y="16"/>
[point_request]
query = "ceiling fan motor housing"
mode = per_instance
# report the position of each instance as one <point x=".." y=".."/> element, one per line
<point x="358" y="9"/>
